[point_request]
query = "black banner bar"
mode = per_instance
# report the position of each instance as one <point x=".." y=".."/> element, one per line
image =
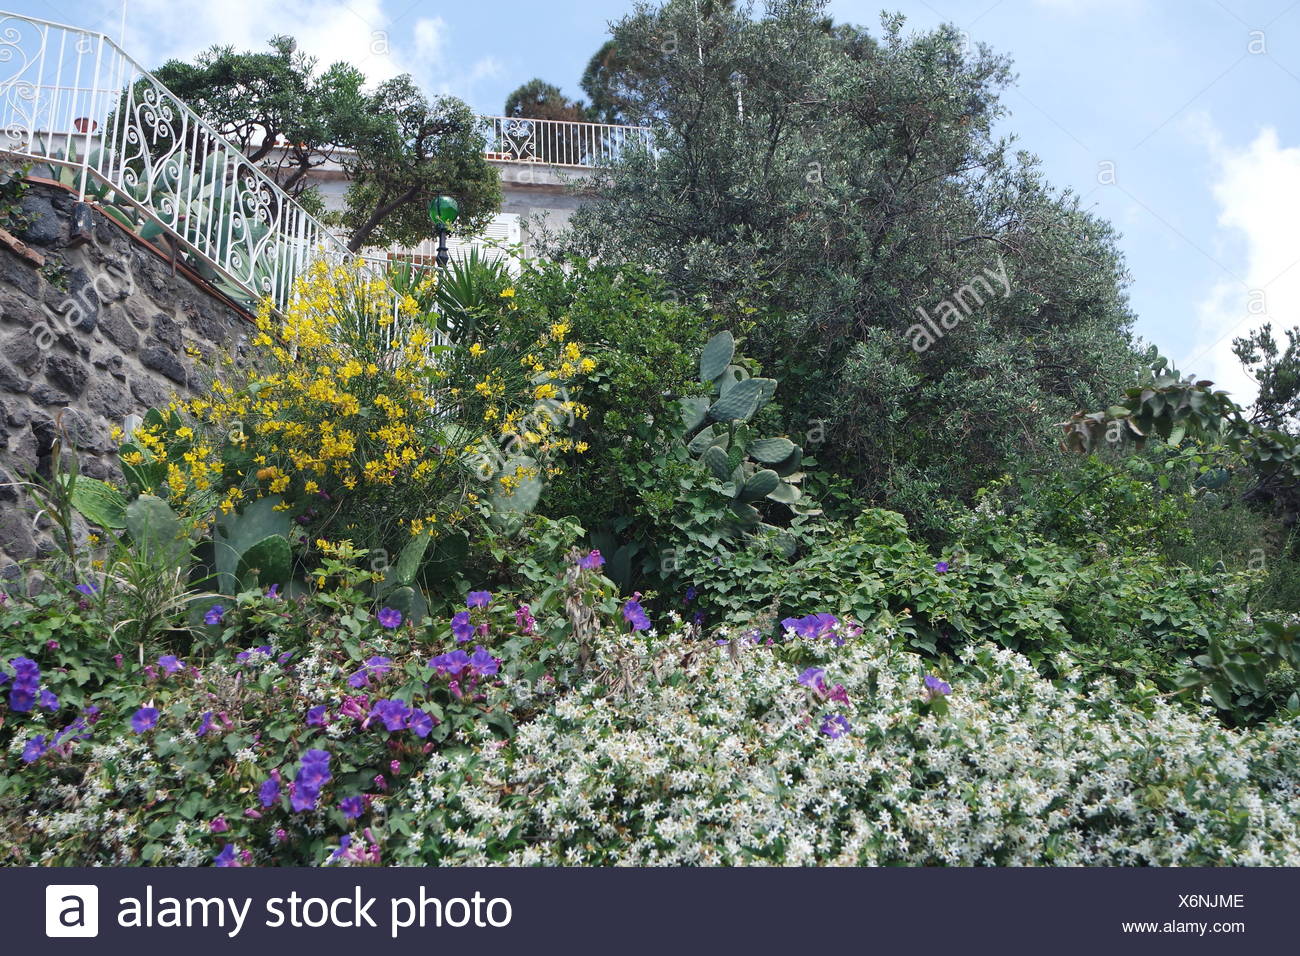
<point x="650" y="911"/>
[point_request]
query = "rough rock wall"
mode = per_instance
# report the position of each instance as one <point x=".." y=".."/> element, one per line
<point x="102" y="330"/>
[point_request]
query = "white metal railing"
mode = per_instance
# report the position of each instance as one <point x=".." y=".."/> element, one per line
<point x="74" y="100"/>
<point x="561" y="142"/>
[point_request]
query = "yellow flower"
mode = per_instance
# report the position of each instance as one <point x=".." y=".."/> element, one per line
<point x="581" y="447"/>
<point x="476" y="350"/>
<point x="508" y="293"/>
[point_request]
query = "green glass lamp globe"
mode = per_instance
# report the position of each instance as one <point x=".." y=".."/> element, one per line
<point x="443" y="211"/>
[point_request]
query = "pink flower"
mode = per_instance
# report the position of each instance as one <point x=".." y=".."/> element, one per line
<point x="380" y="782"/>
<point x="355" y="707"/>
<point x="395" y="767"/>
<point x="280" y="835"/>
<point x="219" y="825"/>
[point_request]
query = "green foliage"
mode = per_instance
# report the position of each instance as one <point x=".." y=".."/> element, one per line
<point x="748" y="469"/>
<point x="644" y="346"/>
<point x="1236" y="671"/>
<point x="830" y="183"/>
<point x="469" y="295"/>
<point x="537" y="99"/>
<point x="416" y="149"/>
<point x="274" y="106"/>
<point x="400" y="148"/>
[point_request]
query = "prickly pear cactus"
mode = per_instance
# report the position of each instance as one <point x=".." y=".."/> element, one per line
<point x="749" y="468"/>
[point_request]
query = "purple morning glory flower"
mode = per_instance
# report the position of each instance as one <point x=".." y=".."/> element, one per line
<point x="482" y="663"/>
<point x="27" y="682"/>
<point x="316" y="716"/>
<point x="344" y="842"/>
<point x="389" y="617"/>
<point x="812" y="626"/>
<point x="49" y="701"/>
<point x="937" y="687"/>
<point x="593" y="561"/>
<point x="270" y="792"/>
<point x="393" y="713"/>
<point x="814" y="678"/>
<point x="420" y="723"/>
<point x="461" y="627"/>
<point x="34" y="750"/>
<point x="205" y="724"/>
<point x="273" y="591"/>
<point x="373" y="667"/>
<point x="451" y="663"/>
<point x="635" y="615"/>
<point x="88" y="589"/>
<point x="478" y="599"/>
<point x="312" y="775"/>
<point x="264" y="651"/>
<point x="691" y="594"/>
<point x="146" y="718"/>
<point x="169" y="663"/>
<point x="941" y="567"/>
<point x="214" y="615"/>
<point x="835" y="725"/>
<point x="226" y="857"/>
<point x="352" y="807"/>
<point x="77" y="730"/>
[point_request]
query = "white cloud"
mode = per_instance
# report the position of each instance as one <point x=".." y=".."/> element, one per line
<point x="354" y="31"/>
<point x="429" y="35"/>
<point x="1257" y="189"/>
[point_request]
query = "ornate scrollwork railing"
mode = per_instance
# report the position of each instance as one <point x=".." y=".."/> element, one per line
<point x="560" y="142"/>
<point x="75" y="104"/>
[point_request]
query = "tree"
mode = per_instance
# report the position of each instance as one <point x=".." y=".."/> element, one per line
<point x="414" y="150"/>
<point x="820" y="186"/>
<point x="537" y="99"/>
<point x="1277" y="405"/>
<point x="400" y="149"/>
<point x="614" y="70"/>
<point x="273" y="106"/>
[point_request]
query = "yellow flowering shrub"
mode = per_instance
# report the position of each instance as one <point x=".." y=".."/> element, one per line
<point x="364" y="421"/>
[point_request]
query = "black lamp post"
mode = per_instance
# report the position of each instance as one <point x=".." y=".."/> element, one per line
<point x="443" y="212"/>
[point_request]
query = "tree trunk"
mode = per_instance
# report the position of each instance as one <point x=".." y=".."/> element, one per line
<point x="379" y="214"/>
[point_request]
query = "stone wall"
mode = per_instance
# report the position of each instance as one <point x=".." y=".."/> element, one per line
<point x="103" y="329"/>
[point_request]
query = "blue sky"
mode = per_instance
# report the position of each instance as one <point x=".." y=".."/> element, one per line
<point x="1193" y="102"/>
